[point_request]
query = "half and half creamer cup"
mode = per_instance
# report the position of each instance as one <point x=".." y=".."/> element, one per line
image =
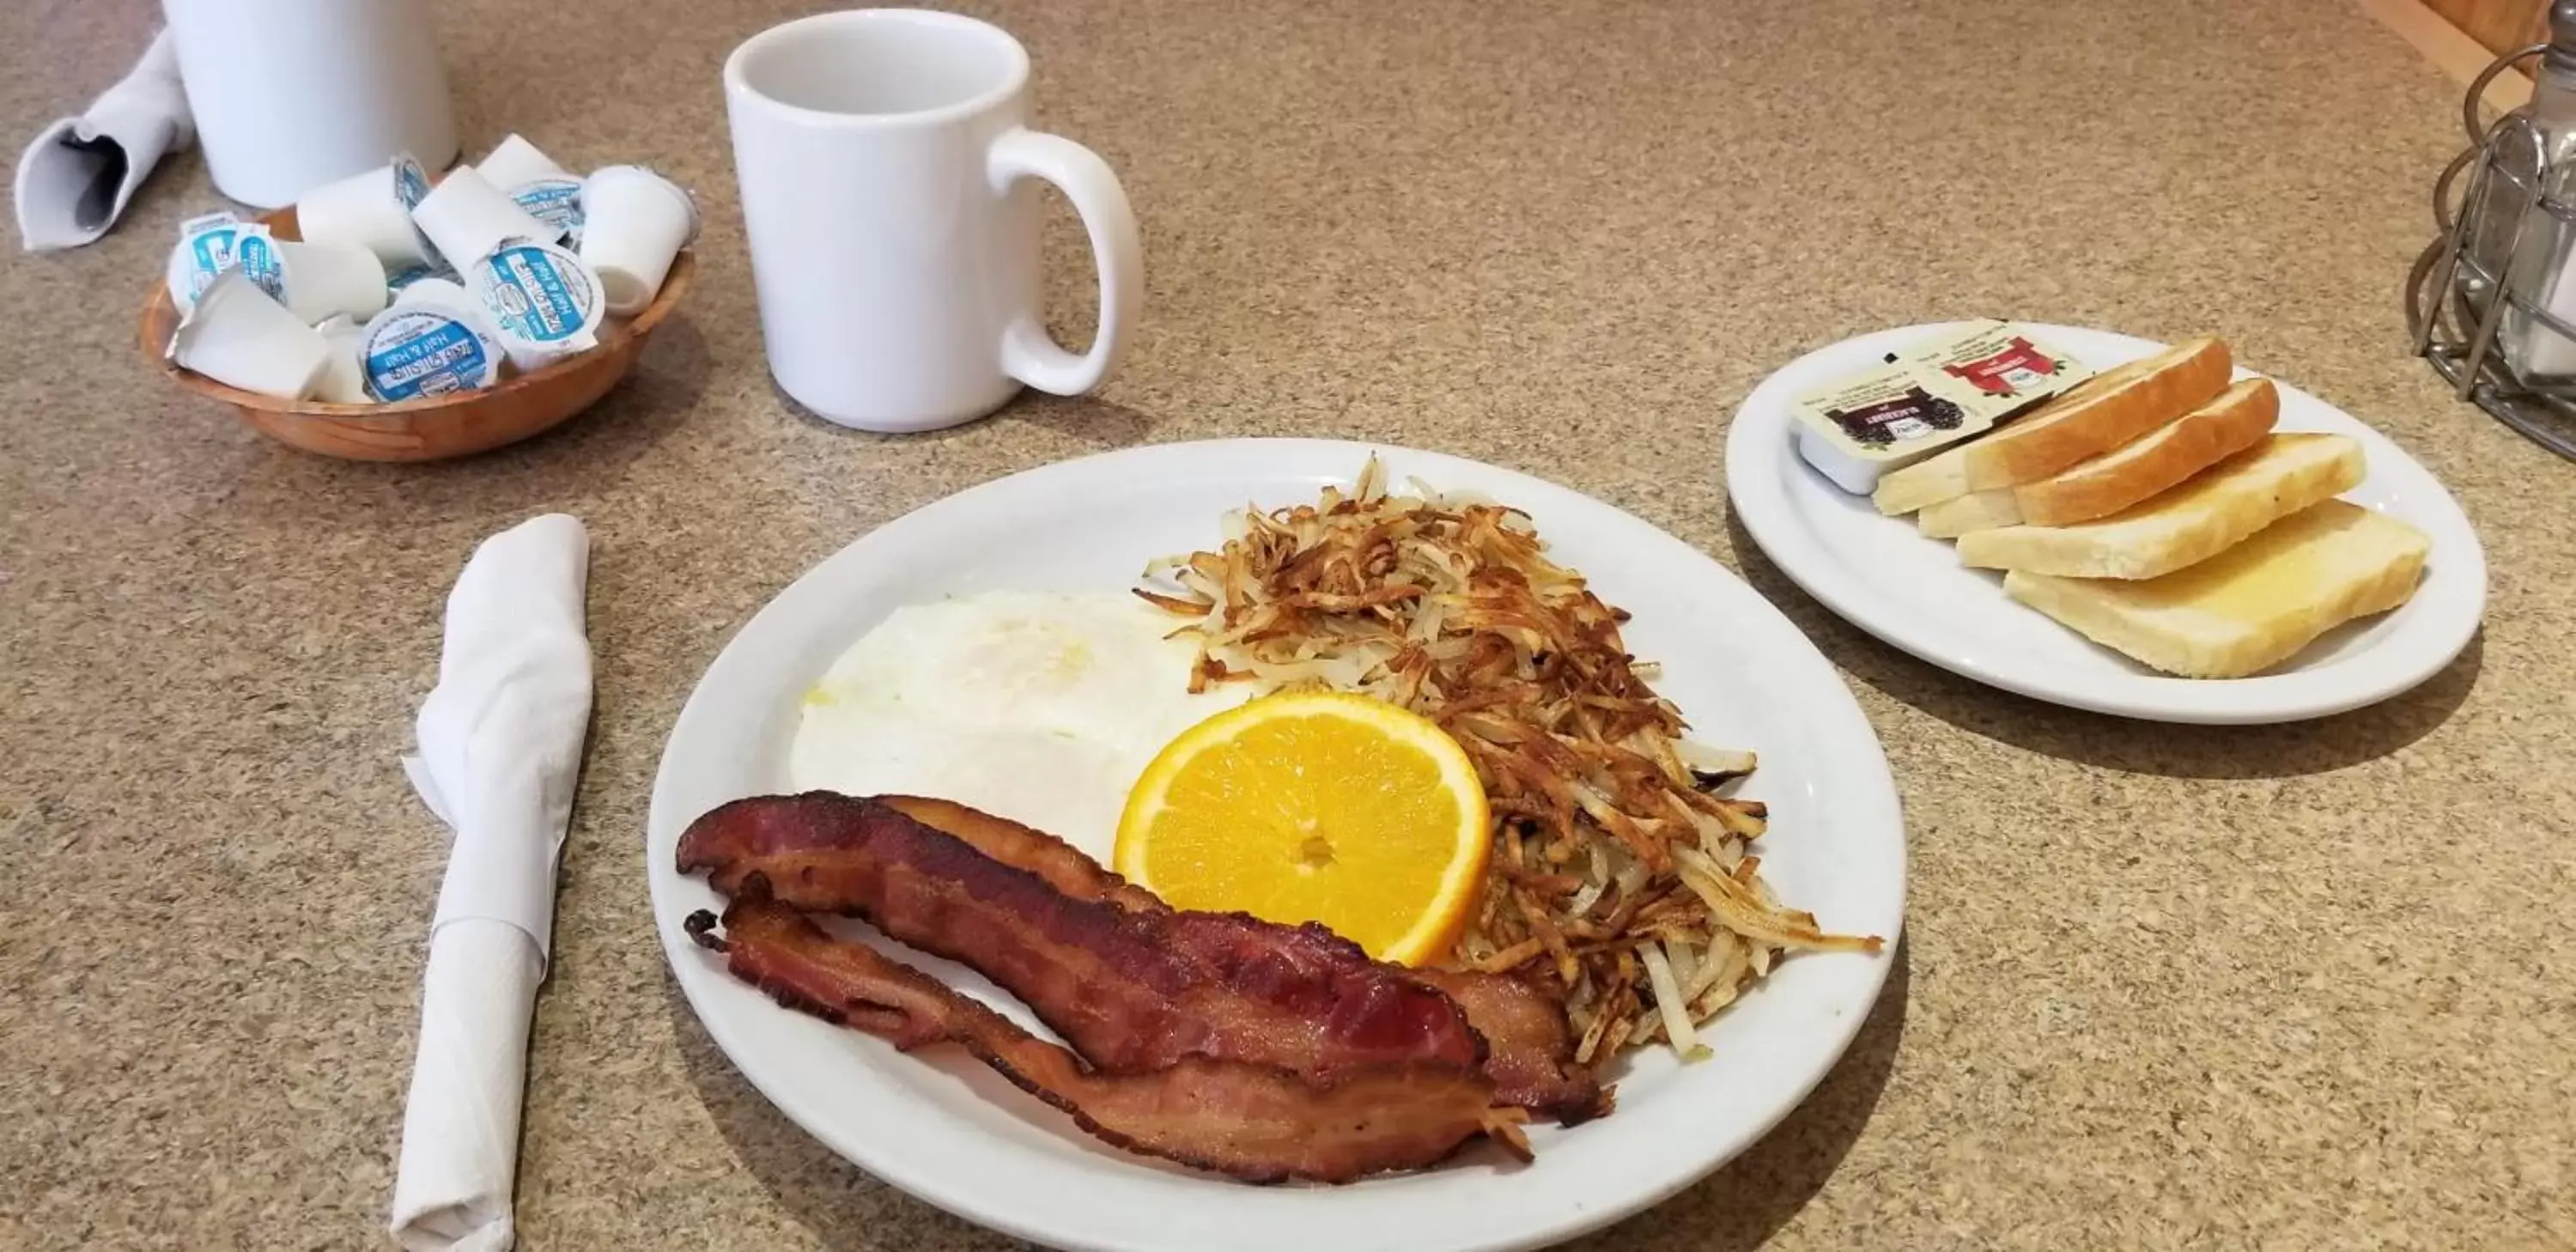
<point x="418" y="349"/>
<point x="546" y="302"/>
<point x="201" y="239"/>
<point x="239" y="335"/>
<point x="213" y="243"/>
<point x="397" y="281"/>
<point x="436" y="289"/>
<point x="344" y="377"/>
<point x="331" y="279"/>
<point x="447" y="296"/>
<point x="635" y="223"/>
<point x="515" y="161"/>
<point x="555" y="202"/>
<point x="466" y="217"/>
<point x="370" y="210"/>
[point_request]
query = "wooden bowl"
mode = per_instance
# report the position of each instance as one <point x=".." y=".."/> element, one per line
<point x="427" y="429"/>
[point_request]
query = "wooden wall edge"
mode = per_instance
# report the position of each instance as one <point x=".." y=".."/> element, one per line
<point x="2450" y="49"/>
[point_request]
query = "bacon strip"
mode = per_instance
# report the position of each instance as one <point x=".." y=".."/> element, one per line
<point x="1255" y="1122"/>
<point x="1130" y="982"/>
<point x="1063" y="865"/>
<point x="1130" y="990"/>
<point x="1530" y="1050"/>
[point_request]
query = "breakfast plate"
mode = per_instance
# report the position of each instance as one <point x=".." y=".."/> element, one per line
<point x="1912" y="591"/>
<point x="947" y="1130"/>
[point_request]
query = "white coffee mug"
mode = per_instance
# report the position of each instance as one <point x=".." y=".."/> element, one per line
<point x="885" y="169"/>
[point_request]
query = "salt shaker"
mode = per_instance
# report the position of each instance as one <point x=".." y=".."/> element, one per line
<point x="292" y="94"/>
<point x="2540" y="244"/>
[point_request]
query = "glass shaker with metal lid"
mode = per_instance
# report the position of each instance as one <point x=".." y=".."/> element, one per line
<point x="2536" y="143"/>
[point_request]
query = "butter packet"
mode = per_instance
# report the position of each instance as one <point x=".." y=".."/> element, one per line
<point x="1946" y="391"/>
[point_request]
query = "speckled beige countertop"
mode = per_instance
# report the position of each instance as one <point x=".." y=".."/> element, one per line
<point x="2301" y="987"/>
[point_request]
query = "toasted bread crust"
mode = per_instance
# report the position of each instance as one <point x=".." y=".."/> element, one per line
<point x="2162" y="458"/>
<point x="2106" y="411"/>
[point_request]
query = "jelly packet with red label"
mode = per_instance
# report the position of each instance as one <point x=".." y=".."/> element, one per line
<point x="1947" y="390"/>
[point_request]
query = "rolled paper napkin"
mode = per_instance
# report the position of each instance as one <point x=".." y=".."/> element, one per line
<point x="79" y="174"/>
<point x="500" y="754"/>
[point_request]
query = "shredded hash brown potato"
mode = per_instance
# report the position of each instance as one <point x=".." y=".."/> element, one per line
<point x="1622" y="876"/>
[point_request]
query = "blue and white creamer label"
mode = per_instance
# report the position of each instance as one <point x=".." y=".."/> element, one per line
<point x="257" y="255"/>
<point x="217" y="242"/>
<point x="410" y="274"/>
<point x="536" y="294"/>
<point x="554" y="201"/>
<point x="422" y="352"/>
<point x="411" y="182"/>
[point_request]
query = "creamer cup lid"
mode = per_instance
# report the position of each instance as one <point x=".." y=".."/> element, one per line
<point x="443" y="295"/>
<point x="183" y="277"/>
<point x="540" y="295"/>
<point x="554" y="201"/>
<point x="414" y="350"/>
<point x="216" y="242"/>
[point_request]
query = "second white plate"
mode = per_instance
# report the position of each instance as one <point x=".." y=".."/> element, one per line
<point x="1887" y="578"/>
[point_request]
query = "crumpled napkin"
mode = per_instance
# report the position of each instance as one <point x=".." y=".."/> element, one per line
<point x="500" y="742"/>
<point x="79" y="173"/>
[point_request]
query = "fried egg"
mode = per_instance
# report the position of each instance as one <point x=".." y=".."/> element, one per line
<point x="1040" y="707"/>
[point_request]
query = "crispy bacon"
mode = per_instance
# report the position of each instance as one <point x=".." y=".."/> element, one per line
<point x="1530" y="1053"/>
<point x="1260" y="1123"/>
<point x="1131" y="983"/>
<point x="1130" y="990"/>
<point x="1061" y="864"/>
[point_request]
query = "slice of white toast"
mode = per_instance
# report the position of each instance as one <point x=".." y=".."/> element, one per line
<point x="2102" y="413"/>
<point x="2191" y="523"/>
<point x="1977" y="510"/>
<point x="2248" y="608"/>
<point x="2113" y="481"/>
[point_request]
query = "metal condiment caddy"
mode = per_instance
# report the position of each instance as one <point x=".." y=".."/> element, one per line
<point x="2505" y="234"/>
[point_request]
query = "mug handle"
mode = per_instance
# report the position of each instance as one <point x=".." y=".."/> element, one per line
<point x="1028" y="352"/>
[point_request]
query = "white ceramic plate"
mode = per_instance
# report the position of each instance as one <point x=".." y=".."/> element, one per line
<point x="1885" y="577"/>
<point x="944" y="1129"/>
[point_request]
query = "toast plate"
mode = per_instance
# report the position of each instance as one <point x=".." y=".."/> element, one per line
<point x="949" y="1131"/>
<point x="1884" y="576"/>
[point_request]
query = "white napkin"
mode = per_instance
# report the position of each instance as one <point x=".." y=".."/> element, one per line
<point x="79" y="173"/>
<point x="500" y="752"/>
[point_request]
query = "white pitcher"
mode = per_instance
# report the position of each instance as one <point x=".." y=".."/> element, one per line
<point x="292" y="94"/>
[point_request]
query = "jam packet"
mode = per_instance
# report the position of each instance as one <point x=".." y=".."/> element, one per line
<point x="1946" y="390"/>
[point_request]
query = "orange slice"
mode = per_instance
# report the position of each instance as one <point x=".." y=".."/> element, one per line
<point x="1315" y="807"/>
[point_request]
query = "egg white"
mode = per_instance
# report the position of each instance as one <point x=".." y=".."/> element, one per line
<point x="1040" y="707"/>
